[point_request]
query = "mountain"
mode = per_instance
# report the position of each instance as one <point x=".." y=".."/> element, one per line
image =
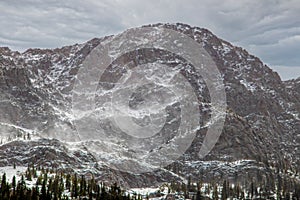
<point x="260" y="134"/>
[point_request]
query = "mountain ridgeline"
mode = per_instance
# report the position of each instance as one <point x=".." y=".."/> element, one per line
<point x="260" y="137"/>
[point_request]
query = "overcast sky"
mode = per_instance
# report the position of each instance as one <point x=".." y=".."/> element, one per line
<point x="269" y="29"/>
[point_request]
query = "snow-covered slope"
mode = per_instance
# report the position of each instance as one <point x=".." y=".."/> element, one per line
<point x="261" y="127"/>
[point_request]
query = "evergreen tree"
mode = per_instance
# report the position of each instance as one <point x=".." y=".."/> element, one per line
<point x="4" y="190"/>
<point x="74" y="192"/>
<point x="34" y="173"/>
<point x="198" y="195"/>
<point x="224" y="194"/>
<point x="28" y="174"/>
<point x="21" y="188"/>
<point x="215" y="195"/>
<point x="68" y="182"/>
<point x="82" y="190"/>
<point x="49" y="189"/>
<point x="14" y="184"/>
<point x="3" y="182"/>
<point x="43" y="194"/>
<point x="34" y="194"/>
<point x="252" y="190"/>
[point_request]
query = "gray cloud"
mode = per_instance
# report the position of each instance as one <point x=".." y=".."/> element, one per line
<point x="287" y="72"/>
<point x="270" y="29"/>
<point x="54" y="23"/>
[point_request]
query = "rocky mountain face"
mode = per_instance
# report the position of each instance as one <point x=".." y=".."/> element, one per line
<point x="261" y="131"/>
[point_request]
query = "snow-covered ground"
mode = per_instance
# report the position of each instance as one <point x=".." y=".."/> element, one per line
<point x="10" y="172"/>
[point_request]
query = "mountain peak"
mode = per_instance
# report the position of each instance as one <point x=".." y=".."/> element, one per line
<point x="262" y="121"/>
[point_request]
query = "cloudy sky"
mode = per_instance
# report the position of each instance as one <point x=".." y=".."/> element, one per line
<point x="270" y="29"/>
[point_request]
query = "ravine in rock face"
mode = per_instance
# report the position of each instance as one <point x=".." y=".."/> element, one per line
<point x="261" y="129"/>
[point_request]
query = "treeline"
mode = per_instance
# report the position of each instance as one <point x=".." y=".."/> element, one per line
<point x="19" y="135"/>
<point x="226" y="190"/>
<point x="44" y="185"/>
<point x="280" y="180"/>
<point x="281" y="188"/>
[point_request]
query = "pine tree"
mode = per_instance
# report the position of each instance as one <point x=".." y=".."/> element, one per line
<point x="215" y="195"/>
<point x="61" y="185"/>
<point x="34" y="173"/>
<point x="252" y="190"/>
<point x="237" y="191"/>
<point x="4" y="185"/>
<point x="279" y="185"/>
<point x="45" y="178"/>
<point x="14" y="184"/>
<point x="74" y="192"/>
<point x="21" y="188"/>
<point x="68" y="182"/>
<point x="34" y="194"/>
<point x="28" y="174"/>
<point x="189" y="187"/>
<point x="3" y="181"/>
<point x="224" y="194"/>
<point x="198" y="195"/>
<point x="82" y="190"/>
<point x="43" y="194"/>
<point x="49" y="189"/>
